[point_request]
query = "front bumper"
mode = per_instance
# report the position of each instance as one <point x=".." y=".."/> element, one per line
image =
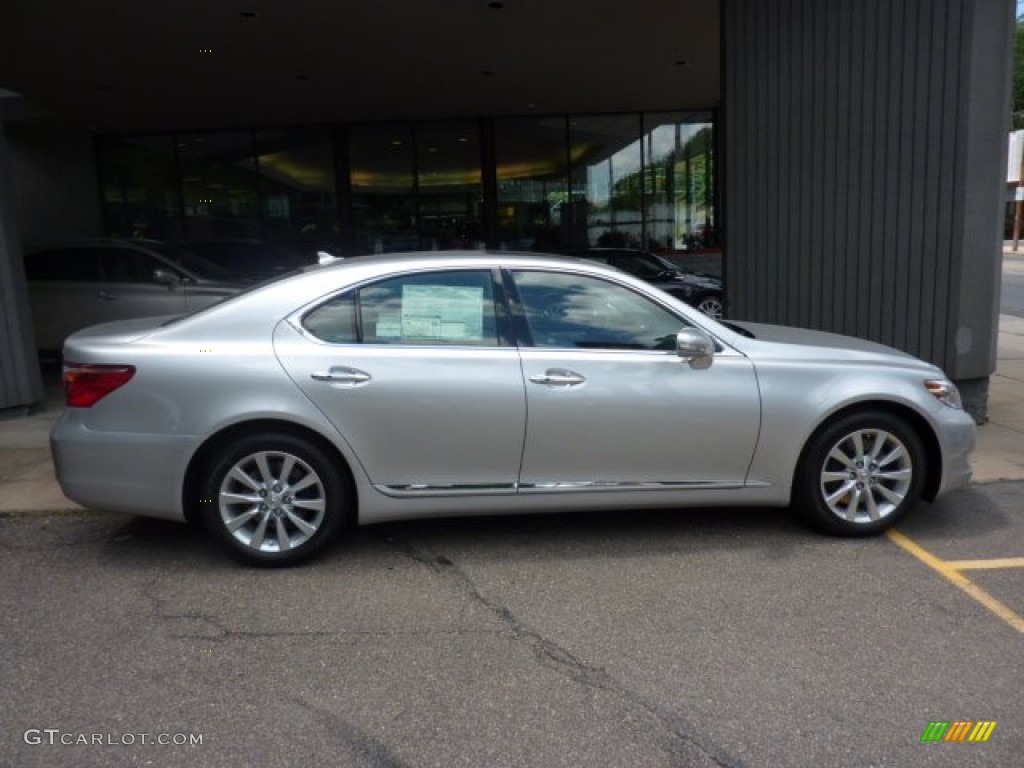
<point x="957" y="436"/>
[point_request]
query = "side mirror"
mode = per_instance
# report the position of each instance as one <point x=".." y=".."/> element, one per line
<point x="696" y="347"/>
<point x="164" y="277"/>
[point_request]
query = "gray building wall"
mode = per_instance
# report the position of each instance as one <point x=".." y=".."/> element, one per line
<point x="864" y="149"/>
<point x="55" y="169"/>
<point x="48" y="191"/>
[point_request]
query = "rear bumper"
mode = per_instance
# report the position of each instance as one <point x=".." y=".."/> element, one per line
<point x="137" y="474"/>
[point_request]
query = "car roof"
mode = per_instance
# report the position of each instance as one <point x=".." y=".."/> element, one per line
<point x="91" y="242"/>
<point x="492" y="258"/>
<point x="360" y="268"/>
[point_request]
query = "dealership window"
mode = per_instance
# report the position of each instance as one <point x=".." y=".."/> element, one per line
<point x="449" y="185"/>
<point x="295" y="171"/>
<point x="139" y="187"/>
<point x="561" y="183"/>
<point x="607" y="172"/>
<point x="533" y="184"/>
<point x="219" y="185"/>
<point x="383" y="190"/>
<point x="679" y="181"/>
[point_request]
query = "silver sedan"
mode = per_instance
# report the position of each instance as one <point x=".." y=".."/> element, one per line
<point x="444" y="384"/>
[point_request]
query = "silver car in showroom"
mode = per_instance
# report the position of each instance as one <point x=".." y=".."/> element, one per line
<point x="79" y="283"/>
<point x="446" y="384"/>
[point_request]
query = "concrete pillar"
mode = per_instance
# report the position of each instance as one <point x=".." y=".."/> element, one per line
<point x="21" y="385"/>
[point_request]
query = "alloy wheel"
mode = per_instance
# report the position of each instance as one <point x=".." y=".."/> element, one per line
<point x="272" y="501"/>
<point x="712" y="307"/>
<point x="866" y="476"/>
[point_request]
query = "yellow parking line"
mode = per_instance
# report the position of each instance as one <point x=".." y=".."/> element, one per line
<point x="1001" y="610"/>
<point x="986" y="565"/>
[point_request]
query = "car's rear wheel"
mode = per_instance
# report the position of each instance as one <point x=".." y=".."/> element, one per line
<point x="860" y="474"/>
<point x="712" y="306"/>
<point x="274" y="499"/>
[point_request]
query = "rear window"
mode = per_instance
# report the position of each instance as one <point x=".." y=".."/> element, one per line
<point x="67" y="264"/>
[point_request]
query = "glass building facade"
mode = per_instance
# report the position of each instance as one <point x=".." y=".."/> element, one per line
<point x="552" y="183"/>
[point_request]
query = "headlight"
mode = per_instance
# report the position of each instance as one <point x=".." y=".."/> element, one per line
<point x="945" y="392"/>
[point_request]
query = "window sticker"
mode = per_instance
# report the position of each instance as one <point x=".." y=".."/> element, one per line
<point x="389" y="326"/>
<point x="451" y="313"/>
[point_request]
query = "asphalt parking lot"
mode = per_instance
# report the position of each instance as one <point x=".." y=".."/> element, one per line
<point x="696" y="638"/>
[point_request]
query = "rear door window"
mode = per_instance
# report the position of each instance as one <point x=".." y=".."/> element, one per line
<point x="454" y="308"/>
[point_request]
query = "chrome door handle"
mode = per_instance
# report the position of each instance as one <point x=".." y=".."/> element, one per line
<point x="342" y="375"/>
<point x="557" y="377"/>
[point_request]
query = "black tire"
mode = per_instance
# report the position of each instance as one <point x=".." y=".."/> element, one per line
<point x="860" y="474"/>
<point x="274" y="499"/>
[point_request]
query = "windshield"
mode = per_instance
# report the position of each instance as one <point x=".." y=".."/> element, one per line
<point x="644" y="265"/>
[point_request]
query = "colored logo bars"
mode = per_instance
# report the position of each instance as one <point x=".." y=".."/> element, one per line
<point x="958" y="730"/>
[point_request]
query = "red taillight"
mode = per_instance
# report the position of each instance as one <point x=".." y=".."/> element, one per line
<point x="85" y="384"/>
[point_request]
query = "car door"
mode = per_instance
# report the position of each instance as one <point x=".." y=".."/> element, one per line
<point x="419" y="374"/>
<point x="130" y="288"/>
<point x="64" y="283"/>
<point x="609" y="402"/>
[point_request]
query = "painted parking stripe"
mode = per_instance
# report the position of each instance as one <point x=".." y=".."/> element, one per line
<point x="986" y="565"/>
<point x="1000" y="609"/>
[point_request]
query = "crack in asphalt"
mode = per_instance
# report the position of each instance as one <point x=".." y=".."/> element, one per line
<point x="368" y="749"/>
<point x="373" y="751"/>
<point x="221" y="632"/>
<point x="558" y="658"/>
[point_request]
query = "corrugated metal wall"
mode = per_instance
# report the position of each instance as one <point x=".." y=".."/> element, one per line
<point x="20" y="380"/>
<point x="848" y="162"/>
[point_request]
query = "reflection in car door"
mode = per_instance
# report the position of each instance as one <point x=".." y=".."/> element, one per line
<point x="609" y="402"/>
<point x="416" y="375"/>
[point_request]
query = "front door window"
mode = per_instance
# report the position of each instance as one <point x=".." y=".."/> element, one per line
<point x="583" y="312"/>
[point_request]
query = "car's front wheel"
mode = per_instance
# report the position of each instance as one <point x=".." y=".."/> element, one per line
<point x="711" y="304"/>
<point x="860" y="474"/>
<point x="273" y="499"/>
